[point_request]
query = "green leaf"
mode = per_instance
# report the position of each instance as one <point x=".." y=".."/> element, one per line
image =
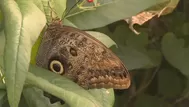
<point x="167" y="90"/>
<point x="150" y="101"/>
<point x="132" y="49"/>
<point x="35" y="49"/>
<point x="40" y="4"/>
<point x="106" y="40"/>
<point x="67" y="90"/>
<point x="176" y="53"/>
<point x="164" y="8"/>
<point x="23" y="23"/>
<point x="68" y="23"/>
<point x="110" y="12"/>
<point x="35" y="98"/>
<point x="60" y="7"/>
<point x="104" y="96"/>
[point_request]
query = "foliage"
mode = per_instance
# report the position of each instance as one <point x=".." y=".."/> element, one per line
<point x="157" y="58"/>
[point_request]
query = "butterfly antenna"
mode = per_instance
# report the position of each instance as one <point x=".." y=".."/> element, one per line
<point x="63" y="16"/>
<point x="52" y="10"/>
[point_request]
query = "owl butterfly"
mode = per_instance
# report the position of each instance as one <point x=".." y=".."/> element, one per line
<point x="77" y="55"/>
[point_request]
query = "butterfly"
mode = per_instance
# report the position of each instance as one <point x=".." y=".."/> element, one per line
<point x="77" y="55"/>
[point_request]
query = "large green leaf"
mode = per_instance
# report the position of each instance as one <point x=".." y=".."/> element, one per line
<point x="67" y="90"/>
<point x="23" y="23"/>
<point x="176" y="53"/>
<point x="110" y="12"/>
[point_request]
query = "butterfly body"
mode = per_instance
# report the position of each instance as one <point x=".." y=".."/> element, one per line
<point x="84" y="59"/>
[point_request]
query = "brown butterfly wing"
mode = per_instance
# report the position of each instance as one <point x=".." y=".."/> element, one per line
<point x="85" y="59"/>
